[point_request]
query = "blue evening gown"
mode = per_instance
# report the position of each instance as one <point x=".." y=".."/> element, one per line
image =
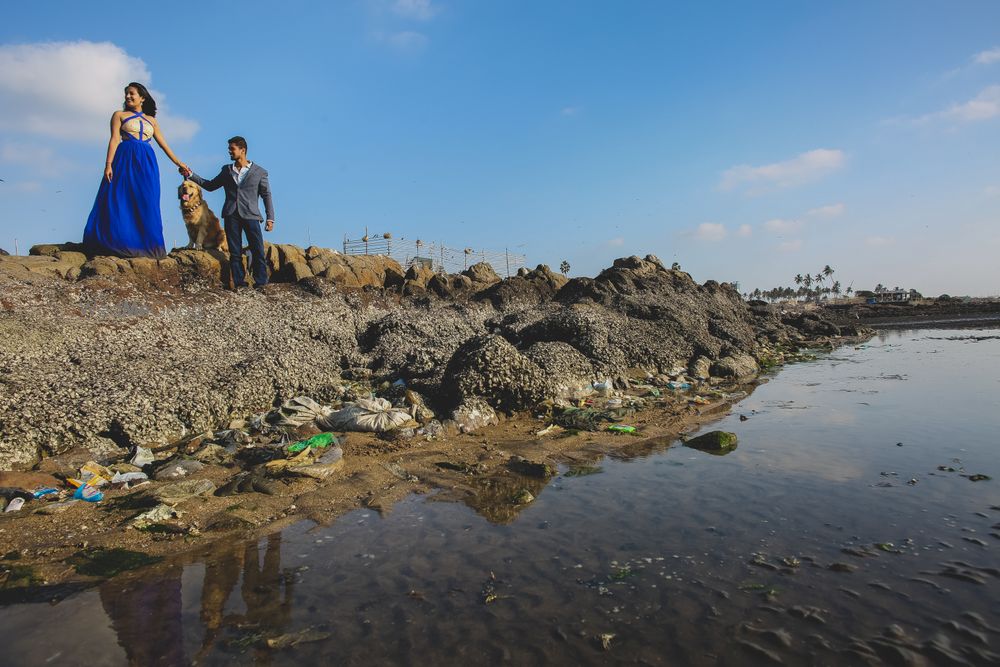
<point x="126" y="219"/>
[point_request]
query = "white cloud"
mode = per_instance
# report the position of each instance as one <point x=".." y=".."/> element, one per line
<point x="420" y="10"/>
<point x="790" y="246"/>
<point x="879" y="241"/>
<point x="991" y="190"/>
<point x="744" y="231"/>
<point x="804" y="168"/>
<point x="68" y="90"/>
<point x="984" y="106"/>
<point x="710" y="231"/>
<point x="987" y="57"/>
<point x="831" y="211"/>
<point x="570" y="111"/>
<point x="405" y="41"/>
<point x="779" y="226"/>
<point x="616" y="242"/>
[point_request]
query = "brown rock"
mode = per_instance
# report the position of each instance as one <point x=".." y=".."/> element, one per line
<point x="72" y="258"/>
<point x="99" y="266"/>
<point x="482" y="272"/>
<point x="293" y="272"/>
<point x="45" y="249"/>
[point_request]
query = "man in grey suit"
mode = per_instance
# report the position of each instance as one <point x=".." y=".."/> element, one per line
<point x="244" y="183"/>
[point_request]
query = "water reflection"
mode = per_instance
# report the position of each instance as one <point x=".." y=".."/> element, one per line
<point x="145" y="613"/>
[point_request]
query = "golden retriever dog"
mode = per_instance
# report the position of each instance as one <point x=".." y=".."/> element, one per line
<point x="203" y="228"/>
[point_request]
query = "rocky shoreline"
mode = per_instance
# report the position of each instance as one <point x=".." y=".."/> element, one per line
<point x="101" y="356"/>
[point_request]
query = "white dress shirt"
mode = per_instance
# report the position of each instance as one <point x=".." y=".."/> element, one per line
<point x="240" y="174"/>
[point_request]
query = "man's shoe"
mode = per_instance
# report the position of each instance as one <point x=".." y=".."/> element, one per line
<point x="263" y="289"/>
<point x="240" y="288"/>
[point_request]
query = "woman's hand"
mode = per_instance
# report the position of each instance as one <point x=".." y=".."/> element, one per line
<point x="183" y="169"/>
<point x="108" y="173"/>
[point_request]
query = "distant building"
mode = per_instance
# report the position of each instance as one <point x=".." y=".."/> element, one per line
<point x="886" y="295"/>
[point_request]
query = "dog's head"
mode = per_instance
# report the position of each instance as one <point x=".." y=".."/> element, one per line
<point x="189" y="193"/>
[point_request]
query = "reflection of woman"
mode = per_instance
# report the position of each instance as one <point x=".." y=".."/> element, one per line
<point x="126" y="218"/>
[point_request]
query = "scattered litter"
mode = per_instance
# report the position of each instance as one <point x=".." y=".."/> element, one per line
<point x="143" y="457"/>
<point x="41" y="493"/>
<point x="181" y="491"/>
<point x="14" y="505"/>
<point x="315" y="442"/>
<point x="550" y="429"/>
<point x="374" y="415"/>
<point x="156" y="515"/>
<point x="94" y="474"/>
<point x="621" y="428"/>
<point x="604" y="388"/>
<point x="126" y="477"/>
<point x="89" y="493"/>
<point x="678" y="385"/>
<point x="297" y="412"/>
<point x="179" y="469"/>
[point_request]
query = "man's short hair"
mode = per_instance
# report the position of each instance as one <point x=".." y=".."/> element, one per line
<point x="239" y="141"/>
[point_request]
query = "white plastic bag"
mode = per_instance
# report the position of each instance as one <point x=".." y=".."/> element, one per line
<point x="374" y="415"/>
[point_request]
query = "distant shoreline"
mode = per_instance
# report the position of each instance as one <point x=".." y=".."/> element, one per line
<point x="918" y="314"/>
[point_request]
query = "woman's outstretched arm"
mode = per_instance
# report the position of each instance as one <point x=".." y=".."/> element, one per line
<point x="158" y="135"/>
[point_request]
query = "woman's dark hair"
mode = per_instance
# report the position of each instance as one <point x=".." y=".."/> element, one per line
<point x="148" y="103"/>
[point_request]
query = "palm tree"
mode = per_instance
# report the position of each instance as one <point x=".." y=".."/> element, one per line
<point x="798" y="278"/>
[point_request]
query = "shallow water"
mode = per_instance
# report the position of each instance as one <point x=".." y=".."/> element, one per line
<point x="667" y="556"/>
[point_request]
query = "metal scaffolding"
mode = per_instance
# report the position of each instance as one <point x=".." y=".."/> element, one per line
<point x="434" y="255"/>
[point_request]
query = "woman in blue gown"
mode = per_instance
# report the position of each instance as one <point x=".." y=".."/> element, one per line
<point x="126" y="219"/>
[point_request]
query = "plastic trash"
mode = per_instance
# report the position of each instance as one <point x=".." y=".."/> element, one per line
<point x="316" y="442"/>
<point x="297" y="411"/>
<point x="366" y="414"/>
<point x="14" y="505"/>
<point x="89" y="493"/>
<point x="605" y="387"/>
<point x="621" y="428"/>
<point x="327" y="464"/>
<point x="673" y="384"/>
<point x="143" y="457"/>
<point x="155" y="515"/>
<point x="94" y="474"/>
<point x="40" y="493"/>
<point x="126" y="477"/>
<point x="171" y="494"/>
<point x="178" y="469"/>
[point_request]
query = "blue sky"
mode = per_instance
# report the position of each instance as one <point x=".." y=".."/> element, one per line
<point x="746" y="141"/>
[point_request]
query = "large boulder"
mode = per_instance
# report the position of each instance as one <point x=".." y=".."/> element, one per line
<point x="737" y="366"/>
<point x="482" y="274"/>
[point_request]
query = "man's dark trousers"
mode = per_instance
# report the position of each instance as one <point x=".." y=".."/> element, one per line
<point x="235" y="228"/>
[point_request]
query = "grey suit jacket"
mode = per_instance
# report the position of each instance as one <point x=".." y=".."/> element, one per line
<point x="241" y="200"/>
